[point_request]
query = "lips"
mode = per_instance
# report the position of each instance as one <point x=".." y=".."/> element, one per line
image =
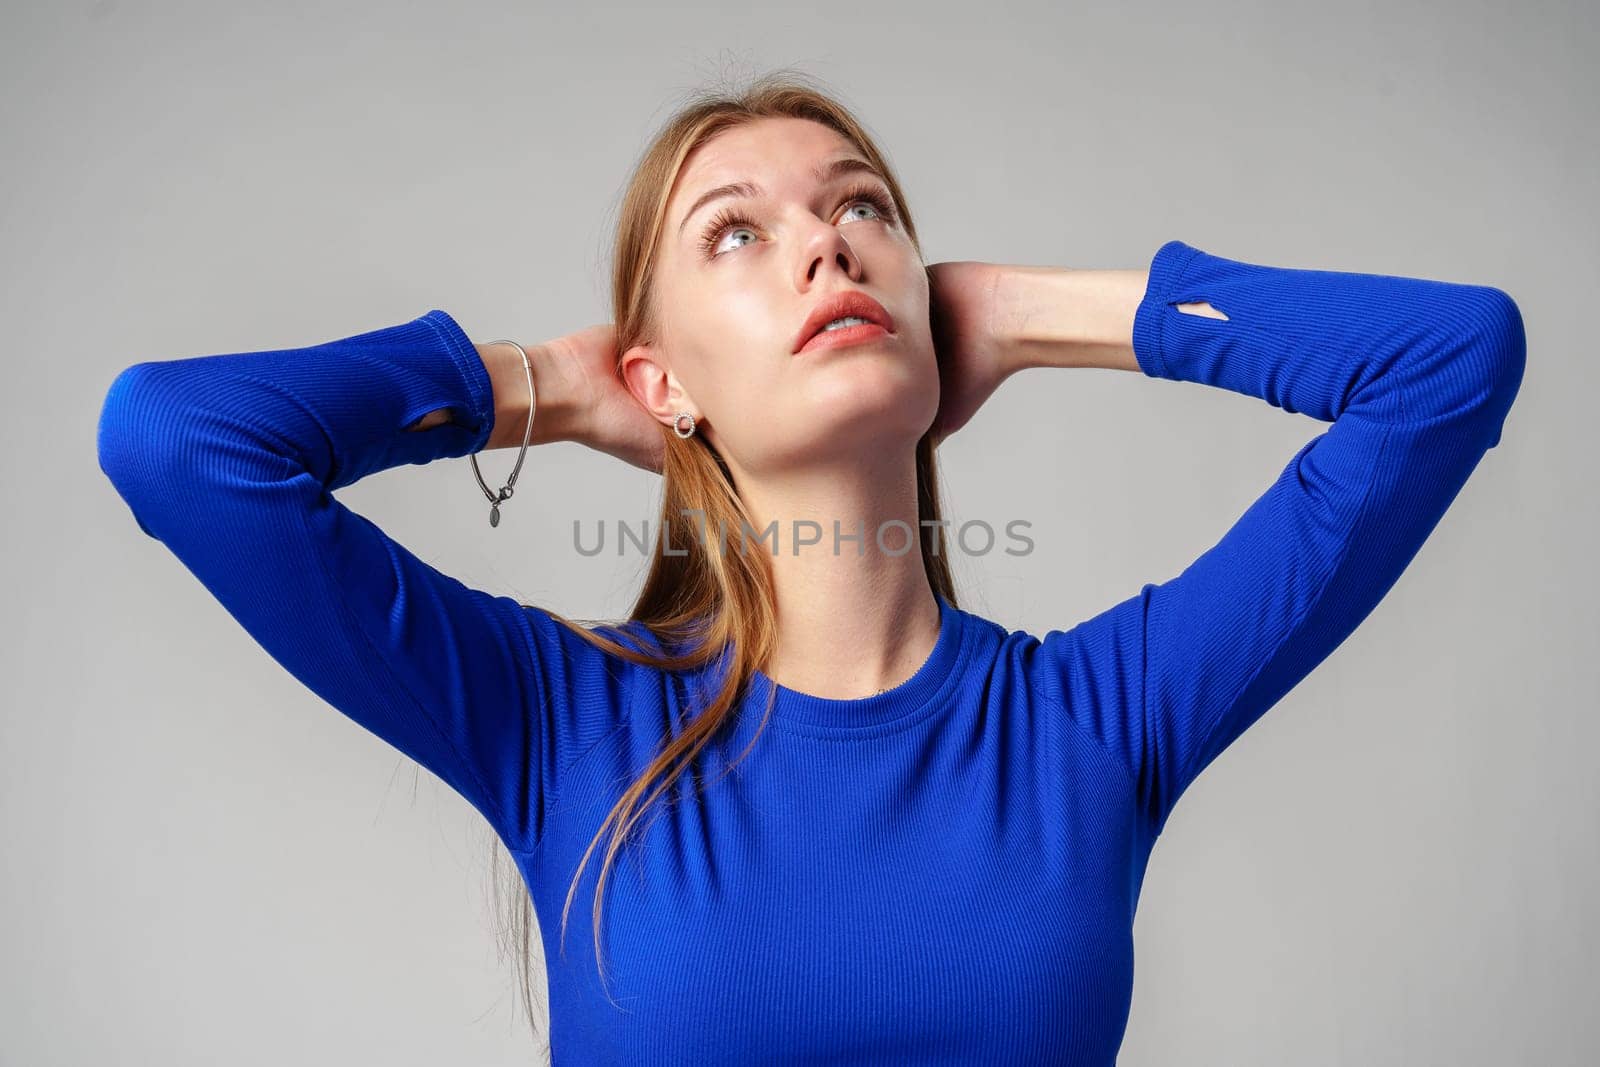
<point x="851" y="302"/>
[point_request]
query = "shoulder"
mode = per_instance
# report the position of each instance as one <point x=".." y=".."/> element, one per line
<point x="1052" y="659"/>
<point x="568" y="644"/>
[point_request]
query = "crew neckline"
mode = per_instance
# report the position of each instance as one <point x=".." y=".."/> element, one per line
<point x="901" y="705"/>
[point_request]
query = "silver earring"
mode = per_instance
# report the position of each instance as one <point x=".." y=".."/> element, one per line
<point x="677" y="424"/>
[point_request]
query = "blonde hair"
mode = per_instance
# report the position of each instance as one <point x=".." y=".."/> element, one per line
<point x="715" y="603"/>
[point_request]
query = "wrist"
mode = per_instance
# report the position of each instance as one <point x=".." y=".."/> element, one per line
<point x="556" y="403"/>
<point x="1066" y="317"/>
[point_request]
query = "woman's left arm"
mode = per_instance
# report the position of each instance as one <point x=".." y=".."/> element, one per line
<point x="1415" y="375"/>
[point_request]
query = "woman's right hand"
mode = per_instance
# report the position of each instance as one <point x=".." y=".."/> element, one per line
<point x="605" y="415"/>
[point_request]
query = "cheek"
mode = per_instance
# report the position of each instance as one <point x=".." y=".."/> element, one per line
<point x="748" y="315"/>
<point x="730" y="307"/>
<point x="917" y="287"/>
<point x="728" y="374"/>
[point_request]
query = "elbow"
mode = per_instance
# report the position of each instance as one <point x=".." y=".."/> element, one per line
<point x="119" y="429"/>
<point x="1504" y="343"/>
<point x="1494" y="354"/>
<point x="135" y="437"/>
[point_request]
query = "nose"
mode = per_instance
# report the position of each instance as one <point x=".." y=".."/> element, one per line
<point x="824" y="248"/>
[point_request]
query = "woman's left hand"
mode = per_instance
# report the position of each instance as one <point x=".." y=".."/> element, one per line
<point x="964" y="311"/>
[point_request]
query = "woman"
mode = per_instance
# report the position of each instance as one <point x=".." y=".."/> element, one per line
<point x="933" y="848"/>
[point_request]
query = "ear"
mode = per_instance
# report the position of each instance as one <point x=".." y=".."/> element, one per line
<point x="655" y="387"/>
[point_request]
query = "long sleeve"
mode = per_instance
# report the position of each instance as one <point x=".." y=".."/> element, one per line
<point x="231" y="461"/>
<point x="1416" y="377"/>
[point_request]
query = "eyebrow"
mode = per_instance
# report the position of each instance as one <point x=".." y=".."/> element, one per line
<point x="824" y="173"/>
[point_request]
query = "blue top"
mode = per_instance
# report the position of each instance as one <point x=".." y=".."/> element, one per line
<point x="946" y="872"/>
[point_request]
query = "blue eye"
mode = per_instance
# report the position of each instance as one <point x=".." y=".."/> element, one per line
<point x="730" y="220"/>
<point x="724" y="224"/>
<point x="727" y="220"/>
<point x="863" y="203"/>
<point x="871" y="196"/>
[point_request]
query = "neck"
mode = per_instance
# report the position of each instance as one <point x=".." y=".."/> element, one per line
<point x="854" y="618"/>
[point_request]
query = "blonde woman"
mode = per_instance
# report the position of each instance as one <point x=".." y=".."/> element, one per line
<point x="933" y="847"/>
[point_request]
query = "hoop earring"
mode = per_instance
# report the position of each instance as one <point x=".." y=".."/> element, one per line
<point x="677" y="424"/>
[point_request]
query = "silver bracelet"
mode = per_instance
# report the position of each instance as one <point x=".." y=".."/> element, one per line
<point x="496" y="499"/>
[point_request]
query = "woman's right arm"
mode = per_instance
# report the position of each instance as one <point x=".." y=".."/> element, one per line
<point x="231" y="461"/>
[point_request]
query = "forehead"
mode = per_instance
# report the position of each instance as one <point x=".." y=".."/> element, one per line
<point x="764" y="151"/>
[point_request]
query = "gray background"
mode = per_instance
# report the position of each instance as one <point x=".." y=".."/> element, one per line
<point x="205" y="864"/>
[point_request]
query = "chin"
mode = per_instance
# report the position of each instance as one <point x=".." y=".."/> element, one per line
<point x="863" y="386"/>
<point x="886" y="417"/>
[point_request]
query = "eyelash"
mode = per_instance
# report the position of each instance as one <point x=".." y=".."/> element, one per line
<point x="729" y="218"/>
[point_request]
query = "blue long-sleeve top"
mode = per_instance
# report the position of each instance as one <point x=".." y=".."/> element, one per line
<point x="944" y="873"/>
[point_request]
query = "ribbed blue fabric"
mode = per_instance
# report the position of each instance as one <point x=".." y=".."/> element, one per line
<point x="945" y="873"/>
